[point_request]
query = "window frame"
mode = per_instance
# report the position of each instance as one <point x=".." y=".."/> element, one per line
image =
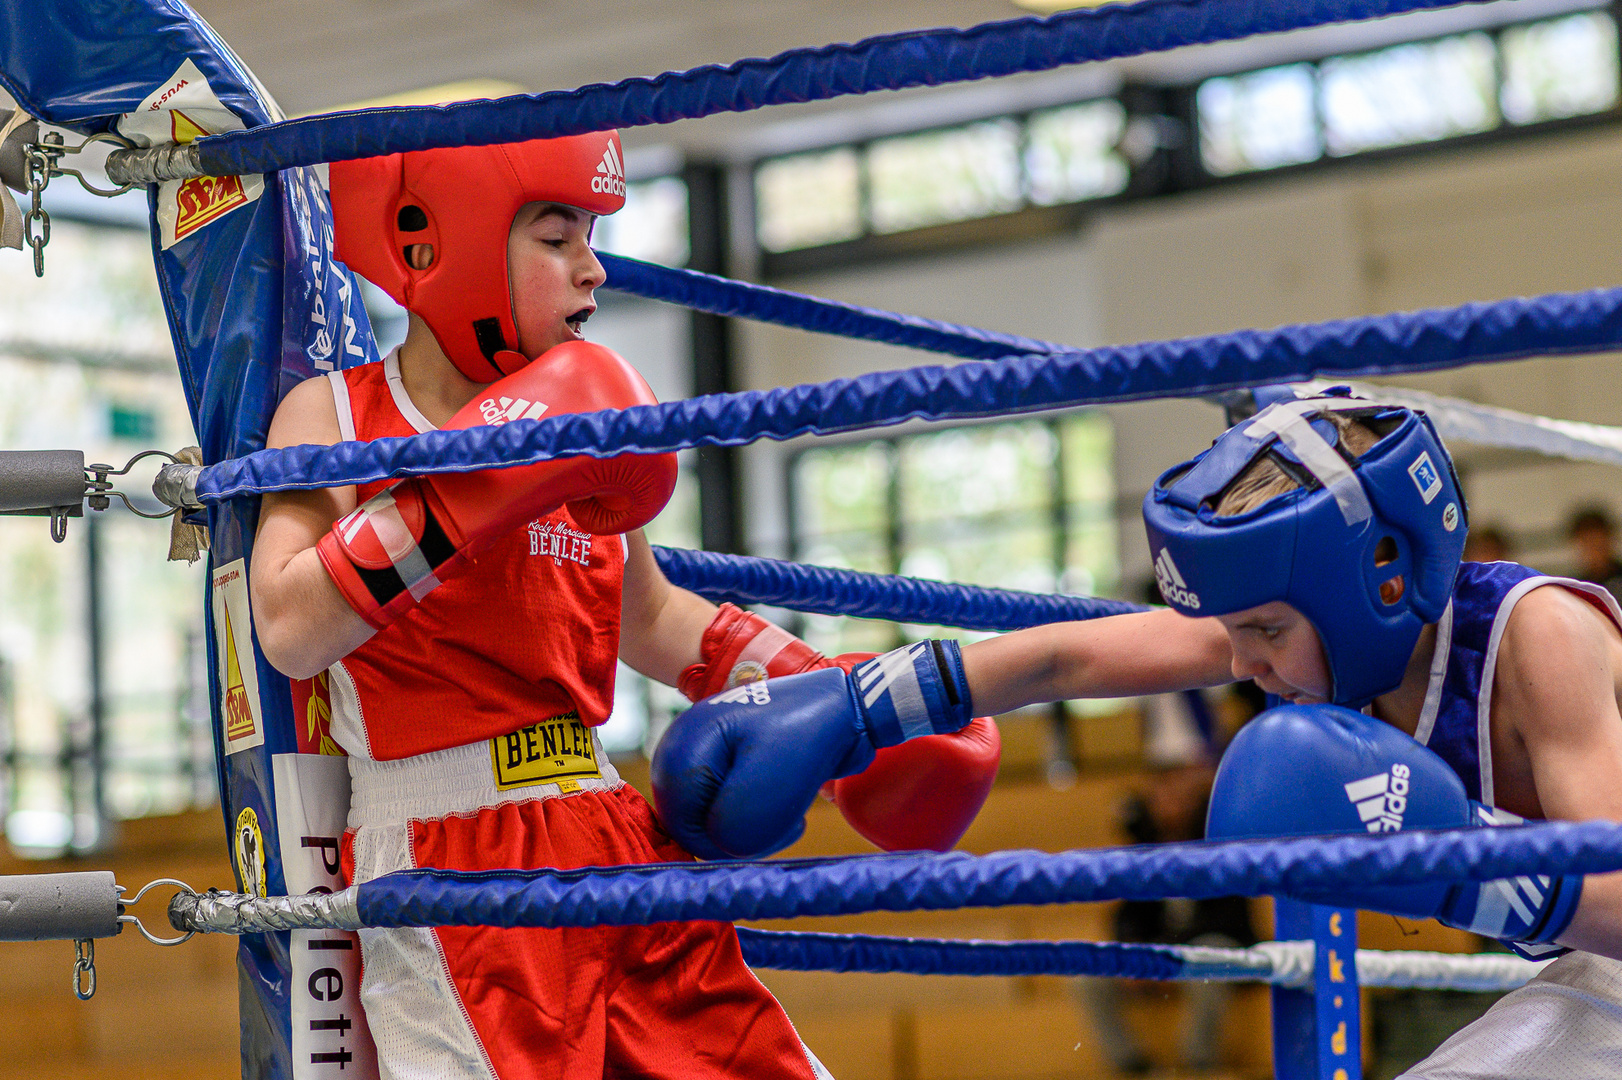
<point x="1055" y="513"/>
<point x="1168" y="115"/>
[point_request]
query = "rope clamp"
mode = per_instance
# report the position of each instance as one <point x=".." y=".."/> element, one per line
<point x="176" y="485"/>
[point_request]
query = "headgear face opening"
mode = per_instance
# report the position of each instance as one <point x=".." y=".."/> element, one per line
<point x="1326" y="547"/>
<point x="462" y="200"/>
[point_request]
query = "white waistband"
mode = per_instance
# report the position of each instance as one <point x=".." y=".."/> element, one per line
<point x="460" y="780"/>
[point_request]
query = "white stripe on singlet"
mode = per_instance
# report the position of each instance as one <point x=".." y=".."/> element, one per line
<point x="340" y="401"/>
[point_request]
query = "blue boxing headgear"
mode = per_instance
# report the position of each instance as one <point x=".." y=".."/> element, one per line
<point x="1320" y="547"/>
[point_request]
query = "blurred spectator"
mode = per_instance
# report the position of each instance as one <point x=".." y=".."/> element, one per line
<point x="1592" y="534"/>
<point x="1488" y="543"/>
<point x="1170" y="807"/>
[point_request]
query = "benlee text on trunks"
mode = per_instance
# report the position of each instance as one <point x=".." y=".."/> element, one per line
<point x="559" y="750"/>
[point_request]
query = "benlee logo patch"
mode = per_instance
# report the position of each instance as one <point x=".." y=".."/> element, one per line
<point x="561" y="543"/>
<point x="556" y="751"/>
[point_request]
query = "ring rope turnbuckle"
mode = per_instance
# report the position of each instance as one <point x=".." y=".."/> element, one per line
<point x="182" y="889"/>
<point x="43" y="162"/>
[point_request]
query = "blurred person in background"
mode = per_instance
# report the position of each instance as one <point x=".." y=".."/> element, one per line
<point x="1591" y="531"/>
<point x="1169" y="807"/>
<point x="1182" y="740"/>
<point x="1488" y="543"/>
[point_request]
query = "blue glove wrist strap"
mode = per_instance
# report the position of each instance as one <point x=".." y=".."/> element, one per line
<point x="1533" y="909"/>
<point x="916" y="690"/>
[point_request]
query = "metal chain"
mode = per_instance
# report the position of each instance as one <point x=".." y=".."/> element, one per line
<point x="84" y="969"/>
<point x="41" y="162"/>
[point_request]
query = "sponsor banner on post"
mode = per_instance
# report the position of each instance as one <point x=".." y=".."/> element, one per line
<point x="312" y="715"/>
<point x="181" y="110"/>
<point x="330" y="1037"/>
<point x="233" y="650"/>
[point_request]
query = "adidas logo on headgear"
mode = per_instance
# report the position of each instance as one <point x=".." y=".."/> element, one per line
<point x="1382" y="799"/>
<point x="499" y="410"/>
<point x="610" y="178"/>
<point x="1172" y="586"/>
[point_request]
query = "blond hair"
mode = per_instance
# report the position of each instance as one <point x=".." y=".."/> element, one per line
<point x="1263" y="479"/>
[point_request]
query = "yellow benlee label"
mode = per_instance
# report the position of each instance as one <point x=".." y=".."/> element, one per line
<point x="560" y="750"/>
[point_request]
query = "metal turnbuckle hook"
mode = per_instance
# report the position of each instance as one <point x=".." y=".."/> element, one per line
<point x="180" y="886"/>
<point x="99" y="486"/>
<point x="58" y="169"/>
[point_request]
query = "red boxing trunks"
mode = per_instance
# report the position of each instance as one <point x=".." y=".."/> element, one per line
<point x="673" y="1000"/>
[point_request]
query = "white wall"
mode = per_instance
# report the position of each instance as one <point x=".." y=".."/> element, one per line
<point x="653" y="336"/>
<point x="1442" y="229"/>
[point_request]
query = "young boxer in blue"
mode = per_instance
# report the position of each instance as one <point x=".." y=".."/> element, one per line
<point x="1315" y="548"/>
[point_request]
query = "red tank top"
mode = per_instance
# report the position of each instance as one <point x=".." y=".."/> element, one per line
<point x="531" y="632"/>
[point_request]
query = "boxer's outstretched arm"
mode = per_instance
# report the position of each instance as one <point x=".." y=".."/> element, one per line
<point x="1147" y="652"/>
<point x="661" y="625"/>
<point x="303" y="621"/>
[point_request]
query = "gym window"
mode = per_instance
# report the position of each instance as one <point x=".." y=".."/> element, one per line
<point x="103" y="673"/>
<point x="1028" y="504"/>
<point x="905" y="182"/>
<point x="652" y="226"/>
<point x="1039" y="173"/>
<point x="1404" y="95"/>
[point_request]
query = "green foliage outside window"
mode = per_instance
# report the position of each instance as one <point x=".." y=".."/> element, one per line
<point x="1027" y="504"/>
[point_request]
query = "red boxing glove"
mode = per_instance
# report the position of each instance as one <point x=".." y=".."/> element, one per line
<point x="923" y="794"/>
<point x="741" y="647"/>
<point x="395" y="548"/>
<point x="920" y="795"/>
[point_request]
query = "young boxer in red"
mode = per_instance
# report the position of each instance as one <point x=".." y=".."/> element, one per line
<point x="470" y="626"/>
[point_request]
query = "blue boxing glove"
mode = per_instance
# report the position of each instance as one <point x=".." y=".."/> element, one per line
<point x="1308" y="770"/>
<point x="734" y="775"/>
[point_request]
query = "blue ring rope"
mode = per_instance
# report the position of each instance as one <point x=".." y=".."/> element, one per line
<point x="886" y="62"/>
<point x="823" y="590"/>
<point x="1412" y="341"/>
<point x="784" y="950"/>
<point x="724" y="296"/>
<point x="789" y="888"/>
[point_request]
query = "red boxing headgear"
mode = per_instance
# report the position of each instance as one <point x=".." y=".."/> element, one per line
<point x="462" y="200"/>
